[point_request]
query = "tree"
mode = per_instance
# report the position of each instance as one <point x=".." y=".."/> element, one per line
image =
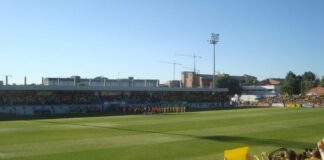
<point x="291" y="84"/>
<point x="309" y="81"/>
<point x="322" y="82"/>
<point x="298" y="85"/>
<point x="231" y="83"/>
<point x="250" y="80"/>
<point x="309" y="76"/>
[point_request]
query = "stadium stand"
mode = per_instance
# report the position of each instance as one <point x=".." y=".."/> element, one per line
<point x="39" y="102"/>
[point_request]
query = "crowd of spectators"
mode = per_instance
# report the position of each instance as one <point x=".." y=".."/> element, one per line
<point x="307" y="154"/>
<point x="87" y="98"/>
<point x="242" y="153"/>
<point x="297" y="100"/>
<point x="12" y="99"/>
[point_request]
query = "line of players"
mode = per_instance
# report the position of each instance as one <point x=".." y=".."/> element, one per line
<point x="153" y="110"/>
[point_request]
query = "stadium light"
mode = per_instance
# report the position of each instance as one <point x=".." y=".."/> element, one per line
<point x="214" y="40"/>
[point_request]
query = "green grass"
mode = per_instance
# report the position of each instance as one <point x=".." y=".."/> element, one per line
<point x="188" y="136"/>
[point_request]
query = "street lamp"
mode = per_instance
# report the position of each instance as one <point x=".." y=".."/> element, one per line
<point x="214" y="40"/>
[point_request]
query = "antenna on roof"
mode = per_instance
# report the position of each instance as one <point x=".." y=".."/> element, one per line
<point x="174" y="64"/>
<point x="7" y="76"/>
<point x="194" y="56"/>
<point x="185" y="67"/>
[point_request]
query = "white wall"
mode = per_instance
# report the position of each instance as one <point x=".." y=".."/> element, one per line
<point x="266" y="90"/>
<point x="139" y="83"/>
<point x="97" y="83"/>
<point x="112" y="83"/>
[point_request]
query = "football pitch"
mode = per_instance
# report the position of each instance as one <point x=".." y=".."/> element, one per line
<point x="178" y="136"/>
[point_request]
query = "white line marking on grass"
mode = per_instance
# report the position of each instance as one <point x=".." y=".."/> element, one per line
<point x="3" y="155"/>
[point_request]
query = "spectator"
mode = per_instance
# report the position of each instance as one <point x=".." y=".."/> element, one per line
<point x="320" y="146"/>
<point x="316" y="154"/>
<point x="300" y="157"/>
<point x="290" y="155"/>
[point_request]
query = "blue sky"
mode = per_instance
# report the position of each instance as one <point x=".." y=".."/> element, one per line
<point x="60" y="38"/>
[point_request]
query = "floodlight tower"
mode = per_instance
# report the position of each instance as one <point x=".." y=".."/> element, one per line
<point x="214" y="40"/>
